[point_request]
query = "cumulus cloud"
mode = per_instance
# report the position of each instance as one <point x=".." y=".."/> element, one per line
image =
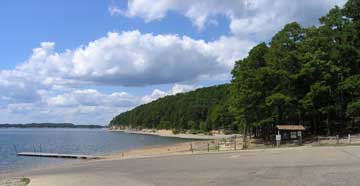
<point x="176" y="89"/>
<point x="131" y="59"/>
<point x="181" y="88"/>
<point x="248" y="18"/>
<point x="92" y="97"/>
<point x="16" y="86"/>
<point x="199" y="12"/>
<point x="82" y="106"/>
<point x="156" y="94"/>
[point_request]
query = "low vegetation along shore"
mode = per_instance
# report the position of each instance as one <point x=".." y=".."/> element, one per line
<point x="15" y="182"/>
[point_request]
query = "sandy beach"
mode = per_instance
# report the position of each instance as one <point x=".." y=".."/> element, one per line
<point x="169" y="133"/>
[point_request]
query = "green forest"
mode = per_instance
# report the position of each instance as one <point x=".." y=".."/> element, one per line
<point x="198" y="111"/>
<point x="306" y="76"/>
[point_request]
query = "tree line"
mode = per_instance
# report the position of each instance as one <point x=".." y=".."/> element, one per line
<point x="197" y="111"/>
<point x="48" y="125"/>
<point x="306" y="76"/>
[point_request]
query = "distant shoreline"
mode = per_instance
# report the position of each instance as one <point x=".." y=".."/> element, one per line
<point x="50" y="125"/>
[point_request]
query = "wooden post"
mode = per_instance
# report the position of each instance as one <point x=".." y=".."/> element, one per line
<point x="278" y="139"/>
<point x="245" y="137"/>
<point x="15" y="149"/>
<point x="208" y="147"/>
<point x="300" y="137"/>
<point x="218" y="146"/>
<point x="191" y="148"/>
<point x="235" y="143"/>
<point x="337" y="139"/>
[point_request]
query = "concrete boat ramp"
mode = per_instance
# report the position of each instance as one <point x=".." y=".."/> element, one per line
<point x="55" y="155"/>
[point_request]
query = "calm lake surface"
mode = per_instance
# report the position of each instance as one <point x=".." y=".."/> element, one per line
<point x="68" y="141"/>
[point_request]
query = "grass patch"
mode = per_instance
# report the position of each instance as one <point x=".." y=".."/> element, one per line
<point x="25" y="181"/>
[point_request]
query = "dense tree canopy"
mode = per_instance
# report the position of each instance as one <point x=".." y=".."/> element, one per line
<point x="198" y="111"/>
<point x="306" y="76"/>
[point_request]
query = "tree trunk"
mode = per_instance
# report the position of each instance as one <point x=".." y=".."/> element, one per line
<point x="314" y="126"/>
<point x="245" y="136"/>
<point x="328" y="124"/>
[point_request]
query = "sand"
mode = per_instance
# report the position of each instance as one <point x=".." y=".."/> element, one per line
<point x="169" y="133"/>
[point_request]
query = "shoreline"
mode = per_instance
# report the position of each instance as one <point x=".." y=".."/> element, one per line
<point x="155" y="151"/>
<point x="41" y="172"/>
<point x="142" y="152"/>
<point x="199" y="144"/>
<point x="146" y="151"/>
<point x="160" y="150"/>
<point x="180" y="148"/>
<point x="168" y="133"/>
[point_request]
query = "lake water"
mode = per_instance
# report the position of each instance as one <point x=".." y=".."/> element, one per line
<point x="67" y="141"/>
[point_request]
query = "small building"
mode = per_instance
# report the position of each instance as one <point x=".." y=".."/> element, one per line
<point x="291" y="132"/>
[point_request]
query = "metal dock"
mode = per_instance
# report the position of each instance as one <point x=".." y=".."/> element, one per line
<point x="55" y="155"/>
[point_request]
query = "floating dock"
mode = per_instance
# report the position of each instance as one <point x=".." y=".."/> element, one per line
<point x="55" y="155"/>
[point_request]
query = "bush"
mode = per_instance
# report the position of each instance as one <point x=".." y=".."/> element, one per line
<point x="176" y="131"/>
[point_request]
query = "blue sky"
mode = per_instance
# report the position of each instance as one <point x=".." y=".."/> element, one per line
<point x="86" y="61"/>
<point x="70" y="24"/>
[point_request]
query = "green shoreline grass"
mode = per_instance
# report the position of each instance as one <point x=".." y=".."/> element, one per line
<point x="25" y="181"/>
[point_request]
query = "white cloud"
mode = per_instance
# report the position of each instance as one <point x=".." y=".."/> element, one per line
<point x="199" y="12"/>
<point x="133" y="59"/>
<point x="156" y="94"/>
<point x="177" y="88"/>
<point x="181" y="88"/>
<point x="16" y="86"/>
<point x="248" y="18"/>
<point x="263" y="18"/>
<point x="113" y="10"/>
<point x="92" y="97"/>
<point x="130" y="59"/>
<point x="82" y="106"/>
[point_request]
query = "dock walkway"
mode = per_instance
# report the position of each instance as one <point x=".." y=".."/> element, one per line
<point x="55" y="155"/>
